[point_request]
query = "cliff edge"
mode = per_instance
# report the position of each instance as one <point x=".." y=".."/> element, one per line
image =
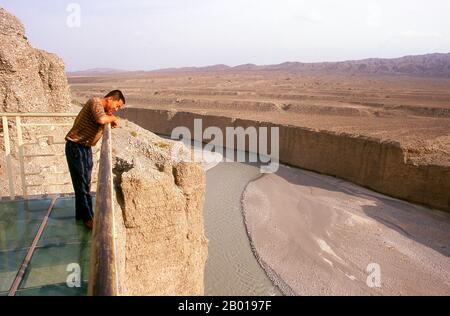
<point x="159" y="192"/>
<point x="31" y="80"/>
<point x="162" y="248"/>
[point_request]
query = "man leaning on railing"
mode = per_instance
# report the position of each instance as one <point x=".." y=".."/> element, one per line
<point x="86" y="131"/>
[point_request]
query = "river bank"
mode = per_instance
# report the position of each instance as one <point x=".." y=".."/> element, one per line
<point x="318" y="235"/>
<point x="381" y="165"/>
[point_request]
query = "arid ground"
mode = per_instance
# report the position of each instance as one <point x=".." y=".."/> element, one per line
<point x="313" y="234"/>
<point x="412" y="110"/>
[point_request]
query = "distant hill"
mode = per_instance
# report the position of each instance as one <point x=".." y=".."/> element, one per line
<point x="430" y="65"/>
<point x="436" y="65"/>
<point x="193" y="69"/>
<point x="95" y="72"/>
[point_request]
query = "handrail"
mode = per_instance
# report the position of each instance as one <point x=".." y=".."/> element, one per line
<point x="6" y="118"/>
<point x="43" y="114"/>
<point x="103" y="278"/>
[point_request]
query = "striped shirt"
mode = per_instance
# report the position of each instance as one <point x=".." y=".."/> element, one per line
<point x="86" y="131"/>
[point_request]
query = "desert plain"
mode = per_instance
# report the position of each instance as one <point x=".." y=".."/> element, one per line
<point x="413" y="110"/>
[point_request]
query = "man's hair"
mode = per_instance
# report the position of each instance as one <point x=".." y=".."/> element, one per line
<point x="116" y="95"/>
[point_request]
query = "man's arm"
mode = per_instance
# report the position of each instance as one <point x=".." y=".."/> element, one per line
<point x="105" y="119"/>
<point x="100" y="115"/>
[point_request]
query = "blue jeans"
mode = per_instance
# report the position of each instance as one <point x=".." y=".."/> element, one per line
<point x="79" y="159"/>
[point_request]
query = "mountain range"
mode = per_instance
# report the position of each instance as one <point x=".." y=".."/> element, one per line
<point x="437" y="65"/>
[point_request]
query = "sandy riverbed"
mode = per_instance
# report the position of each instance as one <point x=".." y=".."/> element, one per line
<point x="317" y="235"/>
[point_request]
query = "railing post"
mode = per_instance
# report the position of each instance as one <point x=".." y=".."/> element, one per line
<point x="21" y="157"/>
<point x="11" y="173"/>
<point x="12" y="194"/>
<point x="103" y="279"/>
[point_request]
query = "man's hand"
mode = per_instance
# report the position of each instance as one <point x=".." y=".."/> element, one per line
<point x="115" y="124"/>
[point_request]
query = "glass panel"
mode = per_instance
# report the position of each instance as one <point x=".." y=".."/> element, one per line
<point x="19" y="222"/>
<point x="64" y="242"/>
<point x="55" y="290"/>
<point x="10" y="262"/>
<point x="49" y="265"/>
<point x="62" y="228"/>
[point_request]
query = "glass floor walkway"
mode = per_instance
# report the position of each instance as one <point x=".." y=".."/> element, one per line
<point x="62" y="249"/>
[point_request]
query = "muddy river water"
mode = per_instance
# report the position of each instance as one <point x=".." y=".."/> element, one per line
<point x="232" y="268"/>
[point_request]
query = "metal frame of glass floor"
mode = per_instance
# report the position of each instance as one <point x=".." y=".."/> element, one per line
<point x="41" y="246"/>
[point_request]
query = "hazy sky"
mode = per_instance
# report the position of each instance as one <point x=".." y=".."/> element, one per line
<point x="144" y="35"/>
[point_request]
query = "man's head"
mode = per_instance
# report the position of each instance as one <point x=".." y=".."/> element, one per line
<point x="114" y="101"/>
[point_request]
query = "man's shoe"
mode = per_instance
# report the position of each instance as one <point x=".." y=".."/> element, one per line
<point x="89" y="224"/>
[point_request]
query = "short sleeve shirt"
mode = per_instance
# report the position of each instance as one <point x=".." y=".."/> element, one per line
<point x="86" y="131"/>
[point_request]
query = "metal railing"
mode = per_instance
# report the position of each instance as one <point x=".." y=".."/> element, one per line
<point x="103" y="272"/>
<point x="103" y="275"/>
<point x="23" y="157"/>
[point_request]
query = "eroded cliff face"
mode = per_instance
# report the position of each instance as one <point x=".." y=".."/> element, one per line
<point x="31" y="80"/>
<point x="162" y="248"/>
<point x="384" y="166"/>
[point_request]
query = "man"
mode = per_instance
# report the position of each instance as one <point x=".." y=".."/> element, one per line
<point x="85" y="133"/>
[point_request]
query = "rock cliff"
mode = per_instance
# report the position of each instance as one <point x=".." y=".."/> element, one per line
<point x="160" y="196"/>
<point x="31" y="80"/>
